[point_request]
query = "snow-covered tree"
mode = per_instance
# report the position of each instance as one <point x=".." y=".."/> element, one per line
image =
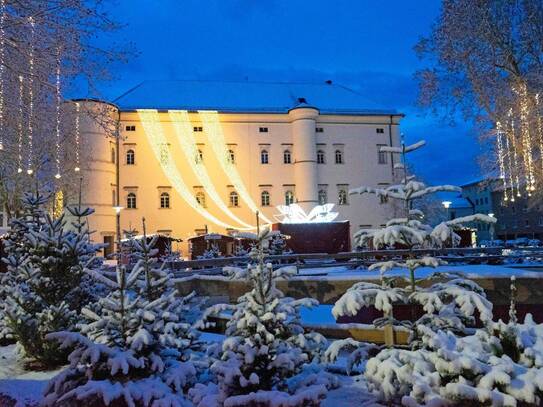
<point x="136" y="349"/>
<point x="45" y="287"/>
<point x="266" y="359"/>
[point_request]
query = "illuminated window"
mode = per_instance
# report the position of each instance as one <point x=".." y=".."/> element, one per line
<point x="201" y="199"/>
<point x="342" y="196"/>
<point x="131" y="201"/>
<point x="231" y="157"/>
<point x="322" y="197"/>
<point x="265" y="198"/>
<point x="199" y="157"/>
<point x="320" y="157"/>
<point x="234" y="199"/>
<point x="113" y="155"/>
<point x="264" y="157"/>
<point x="339" y="157"/>
<point x="382" y="156"/>
<point x="379" y="130"/>
<point x="289" y="198"/>
<point x="164" y="200"/>
<point x="263" y="129"/>
<point x="130" y="157"/>
<point x="287" y="159"/>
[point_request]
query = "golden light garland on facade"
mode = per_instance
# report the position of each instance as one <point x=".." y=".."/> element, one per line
<point x="57" y="129"/>
<point x="212" y="127"/>
<point x="499" y="143"/>
<point x="185" y="137"/>
<point x="157" y="140"/>
<point x="20" y="120"/>
<point x="77" y="141"/>
<point x="2" y="68"/>
<point x="29" y="169"/>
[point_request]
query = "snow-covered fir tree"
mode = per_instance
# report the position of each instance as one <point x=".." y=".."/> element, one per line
<point x="266" y="359"/>
<point x="45" y="287"/>
<point x="136" y="347"/>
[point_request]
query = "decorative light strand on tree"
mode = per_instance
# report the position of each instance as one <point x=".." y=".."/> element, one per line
<point x="515" y="155"/>
<point x="29" y="169"/>
<point x="539" y="129"/>
<point x="499" y="143"/>
<point x="526" y="138"/>
<point x="20" y="126"/>
<point x="510" y="163"/>
<point x="77" y="143"/>
<point x="2" y="68"/>
<point x="58" y="100"/>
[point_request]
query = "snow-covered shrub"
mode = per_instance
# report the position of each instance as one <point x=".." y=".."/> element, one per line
<point x="45" y="287"/>
<point x="135" y="350"/>
<point x="267" y="359"/>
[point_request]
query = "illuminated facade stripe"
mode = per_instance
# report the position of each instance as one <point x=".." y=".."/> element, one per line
<point x="184" y="131"/>
<point x="157" y="140"/>
<point x="210" y="122"/>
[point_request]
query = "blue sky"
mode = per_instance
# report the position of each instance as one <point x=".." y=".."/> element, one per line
<point x="365" y="44"/>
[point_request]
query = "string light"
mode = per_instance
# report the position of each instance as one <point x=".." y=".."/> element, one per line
<point x="29" y="170"/>
<point x="526" y="137"/>
<point x="211" y="124"/>
<point x="539" y="129"/>
<point x="499" y="143"/>
<point x="184" y="131"/>
<point x="515" y="155"/>
<point x="510" y="163"/>
<point x="58" y="97"/>
<point x="20" y="126"/>
<point x="159" y="145"/>
<point x="2" y="61"/>
<point x="76" y="169"/>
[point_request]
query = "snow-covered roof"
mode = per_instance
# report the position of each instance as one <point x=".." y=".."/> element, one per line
<point x="248" y="97"/>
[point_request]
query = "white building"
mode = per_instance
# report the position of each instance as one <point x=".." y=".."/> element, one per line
<point x="197" y="154"/>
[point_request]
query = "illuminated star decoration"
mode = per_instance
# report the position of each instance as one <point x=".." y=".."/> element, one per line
<point x="295" y="214"/>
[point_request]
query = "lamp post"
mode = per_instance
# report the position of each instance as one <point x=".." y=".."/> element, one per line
<point x="446" y="205"/>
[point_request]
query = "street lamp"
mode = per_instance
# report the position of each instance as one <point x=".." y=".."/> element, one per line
<point x="446" y="205"/>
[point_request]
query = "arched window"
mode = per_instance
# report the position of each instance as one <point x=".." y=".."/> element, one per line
<point x="264" y="157"/>
<point x="130" y="157"/>
<point x="287" y="159"/>
<point x="322" y="197"/>
<point x="289" y="198"/>
<point x="131" y="201"/>
<point x="265" y="198"/>
<point x="339" y="157"/>
<point x="320" y="157"/>
<point x="164" y="200"/>
<point x="231" y="157"/>
<point x="234" y="198"/>
<point x="342" y="197"/>
<point x="199" y="156"/>
<point x="113" y="155"/>
<point x="201" y="199"/>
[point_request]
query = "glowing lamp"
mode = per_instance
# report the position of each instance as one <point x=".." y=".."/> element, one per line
<point x="118" y="209"/>
<point x="76" y="169"/>
<point x="19" y="170"/>
<point x="491" y="215"/>
<point x="29" y="171"/>
<point x="446" y="204"/>
<point x="57" y="176"/>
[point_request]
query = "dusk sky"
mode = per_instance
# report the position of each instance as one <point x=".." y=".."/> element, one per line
<point x="367" y="45"/>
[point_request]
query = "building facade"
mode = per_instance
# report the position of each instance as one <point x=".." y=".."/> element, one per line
<point x="197" y="155"/>
<point x="480" y="194"/>
<point x="522" y="218"/>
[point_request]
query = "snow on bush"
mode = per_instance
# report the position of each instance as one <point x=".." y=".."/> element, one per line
<point x="45" y="286"/>
<point x="267" y="359"/>
<point x="136" y="347"/>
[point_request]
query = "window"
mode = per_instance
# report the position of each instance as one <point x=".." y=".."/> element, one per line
<point x="131" y="201"/>
<point x="264" y="157"/>
<point x="234" y="199"/>
<point x="320" y="157"/>
<point x="339" y="157"/>
<point x="381" y="155"/>
<point x="289" y="198"/>
<point x="164" y="200"/>
<point x="541" y="221"/>
<point x="130" y="128"/>
<point x="201" y="199"/>
<point x="476" y="201"/>
<point x="379" y="130"/>
<point x="199" y="156"/>
<point x="319" y="130"/>
<point x="113" y="155"/>
<point x="265" y="198"/>
<point x="198" y="129"/>
<point x="486" y="199"/>
<point x="263" y="129"/>
<point x="230" y="157"/>
<point x="130" y="157"/>
<point x="287" y="157"/>
<point x="342" y="196"/>
<point x="322" y="197"/>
